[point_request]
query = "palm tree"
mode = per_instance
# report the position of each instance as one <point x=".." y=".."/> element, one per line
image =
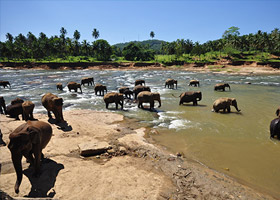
<point x="152" y="34"/>
<point x="77" y="35"/>
<point x="9" y="37"/>
<point x="95" y="33"/>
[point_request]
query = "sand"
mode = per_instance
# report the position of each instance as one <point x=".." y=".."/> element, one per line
<point x="135" y="167"/>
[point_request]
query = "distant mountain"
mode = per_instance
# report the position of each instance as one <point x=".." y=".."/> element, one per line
<point x="153" y="44"/>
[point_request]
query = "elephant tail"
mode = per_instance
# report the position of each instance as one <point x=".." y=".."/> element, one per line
<point x="175" y="96"/>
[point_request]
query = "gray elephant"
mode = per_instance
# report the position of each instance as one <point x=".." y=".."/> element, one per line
<point x="170" y="83"/>
<point x="17" y="100"/>
<point x="224" y="104"/>
<point x="194" y="83"/>
<point x="99" y="88"/>
<point x="278" y="112"/>
<point x="87" y="80"/>
<point x="5" y="84"/>
<point x="53" y="104"/>
<point x="275" y="128"/>
<point x="114" y="97"/>
<point x="27" y="109"/>
<point x="2" y="105"/>
<point x="139" y="88"/>
<point x="148" y="97"/>
<point x="59" y="86"/>
<point x="192" y="96"/>
<point x="74" y="86"/>
<point x="139" y="82"/>
<point x="28" y="140"/>
<point x="221" y="86"/>
<point x="126" y="91"/>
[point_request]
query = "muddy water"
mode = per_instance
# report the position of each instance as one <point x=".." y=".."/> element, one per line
<point x="236" y="144"/>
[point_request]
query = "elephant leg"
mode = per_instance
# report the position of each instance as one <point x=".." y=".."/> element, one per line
<point x="1" y="111"/>
<point x="17" y="117"/>
<point x="224" y="110"/>
<point x="228" y="109"/>
<point x="195" y="103"/>
<point x="116" y="105"/>
<point x="49" y="115"/>
<point x="139" y="104"/>
<point x="37" y="155"/>
<point x="107" y="104"/>
<point x="29" y="157"/>
<point x="31" y="116"/>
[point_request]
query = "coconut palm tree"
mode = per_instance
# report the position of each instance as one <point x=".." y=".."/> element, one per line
<point x="95" y="33"/>
<point x="152" y="34"/>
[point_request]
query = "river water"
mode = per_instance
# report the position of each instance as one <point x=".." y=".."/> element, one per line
<point x="237" y="144"/>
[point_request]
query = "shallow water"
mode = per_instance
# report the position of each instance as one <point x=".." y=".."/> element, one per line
<point x="237" y="144"/>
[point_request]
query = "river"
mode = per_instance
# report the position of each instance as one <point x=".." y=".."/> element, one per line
<point x="237" y="144"/>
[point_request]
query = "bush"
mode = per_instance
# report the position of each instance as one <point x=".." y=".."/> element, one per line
<point x="102" y="50"/>
<point x="135" y="52"/>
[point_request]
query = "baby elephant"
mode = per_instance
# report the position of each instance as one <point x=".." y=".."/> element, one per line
<point x="126" y="91"/>
<point x="194" y="83"/>
<point x="27" y="108"/>
<point x="5" y="84"/>
<point x="59" y="86"/>
<point x="74" y="86"/>
<point x="28" y="140"/>
<point x="224" y="104"/>
<point x="221" y="86"/>
<point x="170" y="83"/>
<point x="275" y="128"/>
<point x="139" y="82"/>
<point x="114" y="97"/>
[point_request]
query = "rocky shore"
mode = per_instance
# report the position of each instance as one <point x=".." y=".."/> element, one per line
<point x="127" y="165"/>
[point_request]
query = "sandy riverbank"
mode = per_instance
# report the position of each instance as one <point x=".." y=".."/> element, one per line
<point x="133" y="169"/>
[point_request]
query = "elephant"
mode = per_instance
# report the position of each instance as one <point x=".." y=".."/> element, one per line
<point x="100" y="88"/>
<point x="5" y="83"/>
<point x="192" y="96"/>
<point x="114" y="97"/>
<point x="74" y="86"/>
<point x="27" y="108"/>
<point x="170" y="83"/>
<point x="88" y="80"/>
<point x="126" y="91"/>
<point x="275" y="128"/>
<point x="59" y="86"/>
<point x="224" y="104"/>
<point x="148" y="97"/>
<point x="2" y="143"/>
<point x="278" y="112"/>
<point x="2" y="105"/>
<point x="28" y="140"/>
<point x="221" y="86"/>
<point x="53" y="103"/>
<point x="15" y="110"/>
<point x="17" y="100"/>
<point x="139" y="82"/>
<point x="194" y="83"/>
<point x="139" y="88"/>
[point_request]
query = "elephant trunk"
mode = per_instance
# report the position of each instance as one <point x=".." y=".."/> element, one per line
<point x="18" y="167"/>
<point x="229" y="87"/>
<point x="236" y="107"/>
<point x="159" y="101"/>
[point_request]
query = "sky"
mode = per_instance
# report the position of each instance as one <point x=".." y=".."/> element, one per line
<point x="123" y="21"/>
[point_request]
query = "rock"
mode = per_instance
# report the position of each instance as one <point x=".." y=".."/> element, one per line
<point x="111" y="151"/>
<point x="122" y="149"/>
<point x="93" y="148"/>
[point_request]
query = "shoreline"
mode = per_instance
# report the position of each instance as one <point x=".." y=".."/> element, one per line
<point x="244" y="68"/>
<point x="160" y="174"/>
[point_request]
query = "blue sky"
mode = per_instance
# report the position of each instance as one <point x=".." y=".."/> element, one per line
<point x="123" y="21"/>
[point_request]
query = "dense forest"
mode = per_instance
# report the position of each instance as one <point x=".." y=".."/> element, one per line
<point x="261" y="46"/>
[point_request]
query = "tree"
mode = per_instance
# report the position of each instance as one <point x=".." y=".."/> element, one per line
<point x="134" y="51"/>
<point x="152" y="34"/>
<point x="9" y="37"/>
<point x="77" y="35"/>
<point x="95" y="33"/>
<point x="102" y="50"/>
<point x="232" y="31"/>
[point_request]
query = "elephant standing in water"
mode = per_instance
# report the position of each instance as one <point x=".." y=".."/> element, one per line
<point x="114" y="97"/>
<point x="17" y="100"/>
<point x="74" y="86"/>
<point x="221" y="86"/>
<point x="275" y="128"/>
<point x="139" y="82"/>
<point x="99" y="88"/>
<point x="139" y="88"/>
<point x="126" y="91"/>
<point x="192" y="96"/>
<point x="5" y="83"/>
<point x="148" y="97"/>
<point x="170" y="83"/>
<point x="224" y="104"/>
<point x="59" y="86"/>
<point x="53" y="103"/>
<point x="88" y="80"/>
<point x="28" y="140"/>
<point x="27" y="108"/>
<point x="2" y="105"/>
<point x="194" y="83"/>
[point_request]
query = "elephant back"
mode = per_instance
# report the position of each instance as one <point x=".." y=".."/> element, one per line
<point x="28" y="105"/>
<point x="16" y="101"/>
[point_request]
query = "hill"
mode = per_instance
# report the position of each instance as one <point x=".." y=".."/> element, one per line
<point x="153" y="44"/>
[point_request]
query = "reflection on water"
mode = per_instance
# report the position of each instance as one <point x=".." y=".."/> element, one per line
<point x="237" y="141"/>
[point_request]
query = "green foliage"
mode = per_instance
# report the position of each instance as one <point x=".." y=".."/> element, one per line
<point x="102" y="50"/>
<point x="136" y="52"/>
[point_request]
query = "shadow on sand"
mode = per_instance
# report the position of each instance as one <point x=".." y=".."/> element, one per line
<point x="64" y="126"/>
<point x="40" y="186"/>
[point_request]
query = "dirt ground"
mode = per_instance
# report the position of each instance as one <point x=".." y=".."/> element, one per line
<point x="133" y="169"/>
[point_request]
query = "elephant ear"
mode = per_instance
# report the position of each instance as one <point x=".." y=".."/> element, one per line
<point x="34" y="134"/>
<point x="58" y="101"/>
<point x="277" y="112"/>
